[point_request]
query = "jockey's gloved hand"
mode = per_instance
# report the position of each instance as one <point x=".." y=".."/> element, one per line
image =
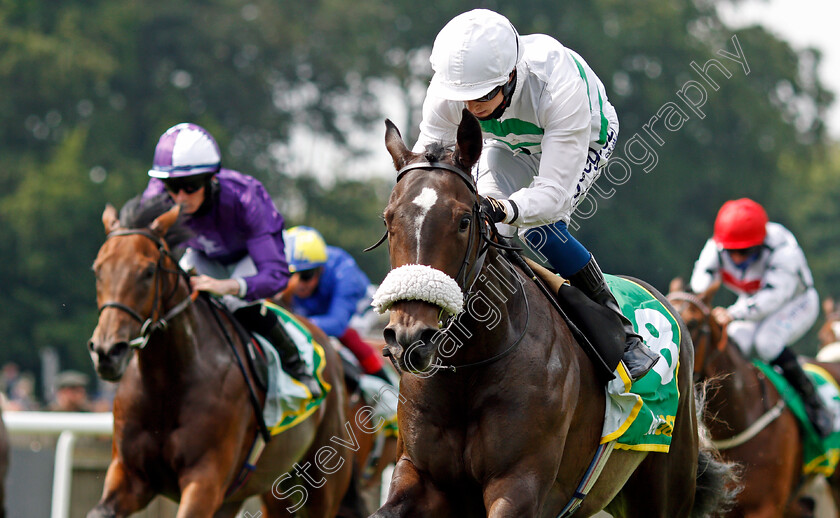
<point x="499" y="211"/>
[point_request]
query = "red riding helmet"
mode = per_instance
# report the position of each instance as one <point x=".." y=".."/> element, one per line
<point x="740" y="224"/>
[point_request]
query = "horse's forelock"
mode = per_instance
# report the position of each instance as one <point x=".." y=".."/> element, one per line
<point x="138" y="213"/>
<point x="437" y="152"/>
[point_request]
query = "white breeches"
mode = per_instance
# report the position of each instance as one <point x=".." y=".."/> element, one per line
<point x="778" y="330"/>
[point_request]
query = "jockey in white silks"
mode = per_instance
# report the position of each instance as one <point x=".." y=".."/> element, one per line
<point x="548" y="128"/>
<point x="777" y="304"/>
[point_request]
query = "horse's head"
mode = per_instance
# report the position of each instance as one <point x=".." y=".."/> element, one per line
<point x="829" y="333"/>
<point x="708" y="336"/>
<point x="434" y="232"/>
<point x="134" y="275"/>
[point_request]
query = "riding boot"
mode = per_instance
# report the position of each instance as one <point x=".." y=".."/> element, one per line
<point x="268" y="325"/>
<point x="293" y="364"/>
<point x="817" y="413"/>
<point x="637" y="359"/>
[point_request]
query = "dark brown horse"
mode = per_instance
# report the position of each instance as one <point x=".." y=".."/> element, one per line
<point x="184" y="419"/>
<point x="745" y="415"/>
<point x="502" y="413"/>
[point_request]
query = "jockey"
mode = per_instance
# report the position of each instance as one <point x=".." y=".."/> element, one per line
<point x="762" y="263"/>
<point x="238" y="250"/>
<point x="551" y="130"/>
<point x="329" y="288"/>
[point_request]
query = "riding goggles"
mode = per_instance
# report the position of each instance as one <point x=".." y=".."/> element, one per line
<point x="307" y="275"/>
<point x="189" y="184"/>
<point x="490" y="96"/>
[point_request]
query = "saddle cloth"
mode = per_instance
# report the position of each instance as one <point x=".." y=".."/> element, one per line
<point x="819" y="455"/>
<point x="287" y="401"/>
<point x="640" y="416"/>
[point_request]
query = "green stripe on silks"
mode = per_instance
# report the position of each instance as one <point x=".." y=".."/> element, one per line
<point x="602" y="134"/>
<point x="819" y="455"/>
<point x="290" y="419"/>
<point x="641" y="417"/>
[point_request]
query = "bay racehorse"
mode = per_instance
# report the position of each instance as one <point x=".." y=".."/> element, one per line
<point x="501" y="414"/>
<point x="745" y="414"/>
<point x="185" y="410"/>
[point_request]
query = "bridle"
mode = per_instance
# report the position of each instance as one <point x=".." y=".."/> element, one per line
<point x="152" y="324"/>
<point x="469" y="270"/>
<point x="705" y="331"/>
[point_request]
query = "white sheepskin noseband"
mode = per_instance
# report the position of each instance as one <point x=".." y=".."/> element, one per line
<point x="419" y="282"/>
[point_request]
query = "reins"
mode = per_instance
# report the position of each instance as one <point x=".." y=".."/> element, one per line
<point x="706" y="330"/>
<point x="468" y="273"/>
<point x="767" y="417"/>
<point x="150" y="325"/>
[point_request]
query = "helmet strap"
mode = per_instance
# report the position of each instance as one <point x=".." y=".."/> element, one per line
<point x="507" y="93"/>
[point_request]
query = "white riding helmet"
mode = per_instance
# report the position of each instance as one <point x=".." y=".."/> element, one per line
<point x="473" y="53"/>
<point x="185" y="149"/>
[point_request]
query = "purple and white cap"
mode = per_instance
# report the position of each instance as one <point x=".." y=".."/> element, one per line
<point x="185" y="149"/>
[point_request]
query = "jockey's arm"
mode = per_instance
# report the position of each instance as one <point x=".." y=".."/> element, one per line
<point x="777" y="288"/>
<point x="706" y="268"/>
<point x="565" y="147"/>
<point x="347" y="290"/>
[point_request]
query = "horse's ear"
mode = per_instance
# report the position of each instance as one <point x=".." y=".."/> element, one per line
<point x="677" y="285"/>
<point x="828" y="305"/>
<point x="162" y="223"/>
<point x="708" y="295"/>
<point x="468" y="147"/>
<point x="395" y="145"/>
<point x="110" y="219"/>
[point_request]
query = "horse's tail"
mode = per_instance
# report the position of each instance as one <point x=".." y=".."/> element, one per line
<point x="718" y="480"/>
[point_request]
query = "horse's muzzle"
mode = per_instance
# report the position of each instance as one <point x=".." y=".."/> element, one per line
<point x="413" y="348"/>
<point x="109" y="362"/>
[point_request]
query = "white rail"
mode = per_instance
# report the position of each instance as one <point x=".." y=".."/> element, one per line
<point x="66" y="425"/>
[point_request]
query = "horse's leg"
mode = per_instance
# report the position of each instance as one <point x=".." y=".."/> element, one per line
<point x="122" y="494"/>
<point x="202" y="491"/>
<point x="411" y="496"/>
<point x="518" y="494"/>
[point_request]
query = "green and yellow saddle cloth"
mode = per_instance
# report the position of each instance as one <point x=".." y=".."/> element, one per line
<point x="641" y="416"/>
<point x="288" y="402"/>
<point x="820" y="456"/>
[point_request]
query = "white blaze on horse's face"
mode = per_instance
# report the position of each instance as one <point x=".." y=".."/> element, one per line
<point x="425" y="200"/>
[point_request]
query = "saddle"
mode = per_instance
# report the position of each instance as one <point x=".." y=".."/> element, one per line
<point x="597" y="328"/>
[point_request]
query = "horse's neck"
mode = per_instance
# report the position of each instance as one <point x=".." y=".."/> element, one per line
<point x="494" y="314"/>
<point x="171" y="353"/>
<point x="737" y="389"/>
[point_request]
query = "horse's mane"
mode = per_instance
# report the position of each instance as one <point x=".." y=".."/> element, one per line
<point x="138" y="213"/>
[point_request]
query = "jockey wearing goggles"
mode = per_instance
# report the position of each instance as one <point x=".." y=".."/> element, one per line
<point x="329" y="288"/>
<point x="551" y="129"/>
<point x="762" y="263"/>
<point x="237" y="251"/>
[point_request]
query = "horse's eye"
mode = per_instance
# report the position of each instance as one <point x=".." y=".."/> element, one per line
<point x="148" y="273"/>
<point x="465" y="223"/>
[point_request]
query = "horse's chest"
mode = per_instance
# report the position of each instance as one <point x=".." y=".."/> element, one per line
<point x="450" y="453"/>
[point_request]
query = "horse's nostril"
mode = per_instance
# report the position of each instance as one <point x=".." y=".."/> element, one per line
<point x="90" y="345"/>
<point x="390" y="335"/>
<point x="118" y="349"/>
<point x="428" y="335"/>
